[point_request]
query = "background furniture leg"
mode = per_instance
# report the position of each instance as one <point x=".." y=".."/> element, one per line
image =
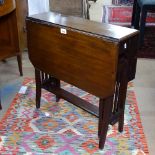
<point x="4" y="60"/>
<point x="19" y="60"/>
<point x="133" y="15"/>
<point x="137" y="17"/>
<point x="142" y="25"/>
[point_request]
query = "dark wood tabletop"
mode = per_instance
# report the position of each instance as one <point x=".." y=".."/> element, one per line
<point x="109" y="31"/>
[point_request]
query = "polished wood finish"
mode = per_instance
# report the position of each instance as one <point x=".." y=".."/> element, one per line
<point x="108" y="31"/>
<point x="9" y="42"/>
<point x="98" y="58"/>
<point x="73" y="72"/>
<point x="105" y="108"/>
<point x="21" y="7"/>
<point x="22" y="12"/>
<point x="6" y="7"/>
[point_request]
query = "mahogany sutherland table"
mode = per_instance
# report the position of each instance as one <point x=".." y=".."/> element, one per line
<point x="95" y="57"/>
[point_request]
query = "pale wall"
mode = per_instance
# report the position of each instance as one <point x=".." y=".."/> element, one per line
<point x="104" y="2"/>
<point x="96" y="9"/>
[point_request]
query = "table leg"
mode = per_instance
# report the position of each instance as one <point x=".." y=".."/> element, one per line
<point x="38" y="87"/>
<point x="56" y="84"/>
<point x="122" y="95"/>
<point x="105" y="110"/>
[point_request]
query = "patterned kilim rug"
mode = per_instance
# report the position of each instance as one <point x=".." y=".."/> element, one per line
<point x="63" y="129"/>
